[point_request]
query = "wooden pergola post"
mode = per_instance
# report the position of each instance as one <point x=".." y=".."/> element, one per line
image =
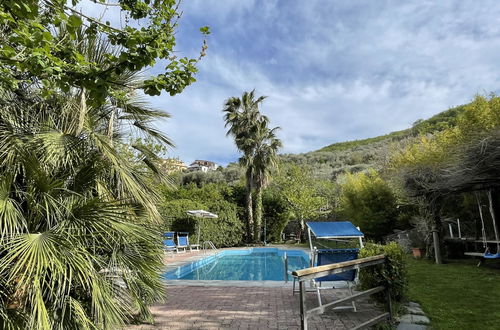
<point x="493" y="218"/>
<point x="437" y="247"/>
<point x="434" y="206"/>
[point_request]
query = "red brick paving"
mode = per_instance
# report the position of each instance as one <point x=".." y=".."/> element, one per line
<point x="241" y="308"/>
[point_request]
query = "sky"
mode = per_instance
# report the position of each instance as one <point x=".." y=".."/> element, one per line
<point x="332" y="70"/>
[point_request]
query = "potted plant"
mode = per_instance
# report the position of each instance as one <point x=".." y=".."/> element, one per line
<point x="418" y="239"/>
<point x="418" y="252"/>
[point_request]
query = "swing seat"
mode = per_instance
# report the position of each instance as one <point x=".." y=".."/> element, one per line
<point x="488" y="255"/>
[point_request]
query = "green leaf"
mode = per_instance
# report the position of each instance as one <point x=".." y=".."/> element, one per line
<point x="8" y="51"/>
<point x="47" y="36"/>
<point x="205" y="30"/>
<point x="74" y="21"/>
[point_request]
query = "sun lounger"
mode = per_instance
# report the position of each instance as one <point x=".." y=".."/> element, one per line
<point x="169" y="243"/>
<point x="331" y="256"/>
<point x="182" y="241"/>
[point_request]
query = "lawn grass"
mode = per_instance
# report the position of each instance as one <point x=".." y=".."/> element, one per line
<point x="457" y="295"/>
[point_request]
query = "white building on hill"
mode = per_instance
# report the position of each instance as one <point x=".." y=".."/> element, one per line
<point x="202" y="165"/>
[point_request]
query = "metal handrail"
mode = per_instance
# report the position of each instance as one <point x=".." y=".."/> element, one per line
<point x="285" y="259"/>
<point x="311" y="273"/>
<point x="208" y="244"/>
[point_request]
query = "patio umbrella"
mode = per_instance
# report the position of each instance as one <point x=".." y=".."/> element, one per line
<point x="201" y="214"/>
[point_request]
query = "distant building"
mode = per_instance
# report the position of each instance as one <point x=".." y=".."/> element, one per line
<point x="202" y="165"/>
<point x="171" y="165"/>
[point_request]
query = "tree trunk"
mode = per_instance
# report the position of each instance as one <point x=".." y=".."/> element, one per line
<point x="83" y="113"/>
<point x="249" y="221"/>
<point x="111" y="127"/>
<point x="257" y="224"/>
<point x="302" y="227"/>
<point x="249" y="206"/>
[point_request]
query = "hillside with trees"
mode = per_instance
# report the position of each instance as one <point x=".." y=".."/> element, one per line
<point x="360" y="155"/>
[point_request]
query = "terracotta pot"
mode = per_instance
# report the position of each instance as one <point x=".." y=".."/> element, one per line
<point x="418" y="253"/>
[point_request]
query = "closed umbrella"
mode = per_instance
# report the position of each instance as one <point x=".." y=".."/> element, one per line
<point x="201" y="214"/>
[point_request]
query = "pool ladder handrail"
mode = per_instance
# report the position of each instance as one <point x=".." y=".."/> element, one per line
<point x="286" y="267"/>
<point x="208" y="244"/>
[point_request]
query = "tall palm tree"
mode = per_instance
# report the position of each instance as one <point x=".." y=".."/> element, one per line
<point x="265" y="160"/>
<point x="241" y="115"/>
<point x="259" y="146"/>
<point x="78" y="245"/>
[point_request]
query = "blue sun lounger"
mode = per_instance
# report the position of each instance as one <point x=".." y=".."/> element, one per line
<point x="168" y="242"/>
<point x="333" y="256"/>
<point x="182" y="241"/>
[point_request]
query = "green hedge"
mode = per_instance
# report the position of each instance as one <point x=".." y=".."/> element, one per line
<point x="392" y="274"/>
<point x="227" y="229"/>
<point x="276" y="214"/>
<point x="224" y="231"/>
<point x="175" y="217"/>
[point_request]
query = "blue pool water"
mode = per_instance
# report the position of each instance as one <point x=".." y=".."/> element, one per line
<point x="257" y="264"/>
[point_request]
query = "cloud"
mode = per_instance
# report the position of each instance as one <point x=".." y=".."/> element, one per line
<point x="333" y="71"/>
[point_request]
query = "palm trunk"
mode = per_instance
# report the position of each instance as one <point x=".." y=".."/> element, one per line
<point x="83" y="112"/>
<point x="111" y="127"/>
<point x="258" y="214"/>
<point x="249" y="205"/>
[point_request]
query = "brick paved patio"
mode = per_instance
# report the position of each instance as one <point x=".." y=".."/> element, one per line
<point x="190" y="307"/>
<point x="246" y="305"/>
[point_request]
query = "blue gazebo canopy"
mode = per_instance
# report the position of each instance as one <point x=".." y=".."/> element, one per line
<point x="340" y="229"/>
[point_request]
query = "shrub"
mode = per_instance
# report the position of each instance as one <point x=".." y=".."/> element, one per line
<point x="201" y="178"/>
<point x="392" y="274"/>
<point x="276" y="214"/>
<point x="369" y="202"/>
<point x="175" y="217"/>
<point x="226" y="230"/>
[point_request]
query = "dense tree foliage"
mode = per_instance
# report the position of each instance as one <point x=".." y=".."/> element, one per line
<point x="79" y="246"/>
<point x="277" y="214"/>
<point x="31" y="53"/>
<point x="301" y="193"/>
<point x="369" y="202"/>
<point x="393" y="274"/>
<point x="226" y="230"/>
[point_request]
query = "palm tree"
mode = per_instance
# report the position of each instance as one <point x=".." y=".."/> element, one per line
<point x="265" y="160"/>
<point x="78" y="244"/>
<point x="259" y="146"/>
<point x="241" y="116"/>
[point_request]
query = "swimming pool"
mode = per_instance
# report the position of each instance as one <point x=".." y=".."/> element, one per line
<point x="256" y="264"/>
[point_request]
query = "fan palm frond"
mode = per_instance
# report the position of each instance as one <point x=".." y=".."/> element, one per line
<point x="78" y="244"/>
